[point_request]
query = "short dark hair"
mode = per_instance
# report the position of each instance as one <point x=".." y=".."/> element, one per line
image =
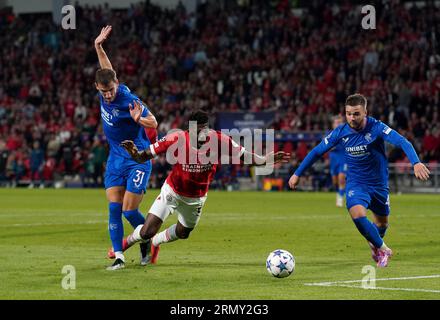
<point x="105" y="76"/>
<point x="355" y="100"/>
<point x="201" y="117"/>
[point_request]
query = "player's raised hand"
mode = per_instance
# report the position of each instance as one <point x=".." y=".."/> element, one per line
<point x="293" y="181"/>
<point x="103" y="35"/>
<point x="421" y="171"/>
<point x="135" y="110"/>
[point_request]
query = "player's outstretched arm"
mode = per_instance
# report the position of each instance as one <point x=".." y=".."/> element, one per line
<point x="137" y="156"/>
<point x="136" y="113"/>
<point x="311" y="158"/>
<point x="104" y="61"/>
<point x="420" y="170"/>
<point x="268" y="159"/>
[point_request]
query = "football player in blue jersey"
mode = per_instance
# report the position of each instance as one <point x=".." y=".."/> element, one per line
<point x="363" y="139"/>
<point x="124" y="117"/>
<point x="338" y="167"/>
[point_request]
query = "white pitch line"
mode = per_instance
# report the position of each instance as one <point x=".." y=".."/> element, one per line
<point x="344" y="284"/>
<point x="384" y="288"/>
<point x="50" y="223"/>
<point x="382" y="279"/>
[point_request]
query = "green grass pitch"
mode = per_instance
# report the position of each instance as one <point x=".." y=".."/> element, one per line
<point x="43" y="230"/>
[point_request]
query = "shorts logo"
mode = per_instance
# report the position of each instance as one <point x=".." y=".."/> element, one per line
<point x="169" y="198"/>
<point x="350" y="193"/>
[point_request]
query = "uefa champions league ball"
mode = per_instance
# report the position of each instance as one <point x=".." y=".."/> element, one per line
<point x="280" y="263"/>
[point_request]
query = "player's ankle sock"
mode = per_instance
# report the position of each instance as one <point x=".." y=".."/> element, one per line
<point x="115" y="226"/>
<point x="341" y="192"/>
<point x="167" y="235"/>
<point x="381" y="230"/>
<point x="134" y="217"/>
<point x="135" y="236"/>
<point x="119" y="255"/>
<point x="369" y="231"/>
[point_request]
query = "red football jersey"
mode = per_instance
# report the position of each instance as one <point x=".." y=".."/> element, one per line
<point x="193" y="169"/>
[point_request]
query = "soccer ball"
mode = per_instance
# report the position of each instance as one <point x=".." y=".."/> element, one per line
<point x="280" y="263"/>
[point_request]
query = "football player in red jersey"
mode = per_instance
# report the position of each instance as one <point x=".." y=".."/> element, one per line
<point x="185" y="189"/>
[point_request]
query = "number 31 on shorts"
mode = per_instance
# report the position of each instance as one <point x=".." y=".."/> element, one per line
<point x="139" y="178"/>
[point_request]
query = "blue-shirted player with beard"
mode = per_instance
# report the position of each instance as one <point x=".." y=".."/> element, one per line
<point x="338" y="167"/>
<point x="124" y="117"/>
<point x="364" y="139"/>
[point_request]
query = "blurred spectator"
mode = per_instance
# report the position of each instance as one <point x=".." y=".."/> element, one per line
<point x="249" y="56"/>
<point x="36" y="163"/>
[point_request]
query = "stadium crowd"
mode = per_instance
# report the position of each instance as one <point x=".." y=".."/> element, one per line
<point x="252" y="57"/>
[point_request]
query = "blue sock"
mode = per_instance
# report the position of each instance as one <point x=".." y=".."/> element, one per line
<point x="341" y="191"/>
<point x="115" y="226"/>
<point x="381" y="230"/>
<point x="369" y="231"/>
<point x="134" y="217"/>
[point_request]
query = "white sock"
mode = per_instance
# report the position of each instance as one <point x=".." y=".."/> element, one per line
<point x="384" y="247"/>
<point x="135" y="236"/>
<point x="168" y="235"/>
<point x="119" y="255"/>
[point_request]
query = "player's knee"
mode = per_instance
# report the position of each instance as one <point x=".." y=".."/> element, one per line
<point x="381" y="224"/>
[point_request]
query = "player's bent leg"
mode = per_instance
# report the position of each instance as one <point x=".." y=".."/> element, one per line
<point x="381" y="224"/>
<point x="380" y="206"/>
<point x="130" y="207"/>
<point x="383" y="255"/>
<point x="367" y="229"/>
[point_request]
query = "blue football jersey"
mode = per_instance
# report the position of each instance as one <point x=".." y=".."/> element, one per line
<point x="337" y="154"/>
<point x="118" y="125"/>
<point x="364" y="151"/>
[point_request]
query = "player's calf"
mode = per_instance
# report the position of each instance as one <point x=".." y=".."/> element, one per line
<point x="182" y="232"/>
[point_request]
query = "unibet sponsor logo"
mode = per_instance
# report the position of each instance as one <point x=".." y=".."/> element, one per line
<point x="357" y="150"/>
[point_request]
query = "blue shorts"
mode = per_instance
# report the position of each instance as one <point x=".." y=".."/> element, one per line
<point x="123" y="172"/>
<point x="337" y="168"/>
<point x="375" y="198"/>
